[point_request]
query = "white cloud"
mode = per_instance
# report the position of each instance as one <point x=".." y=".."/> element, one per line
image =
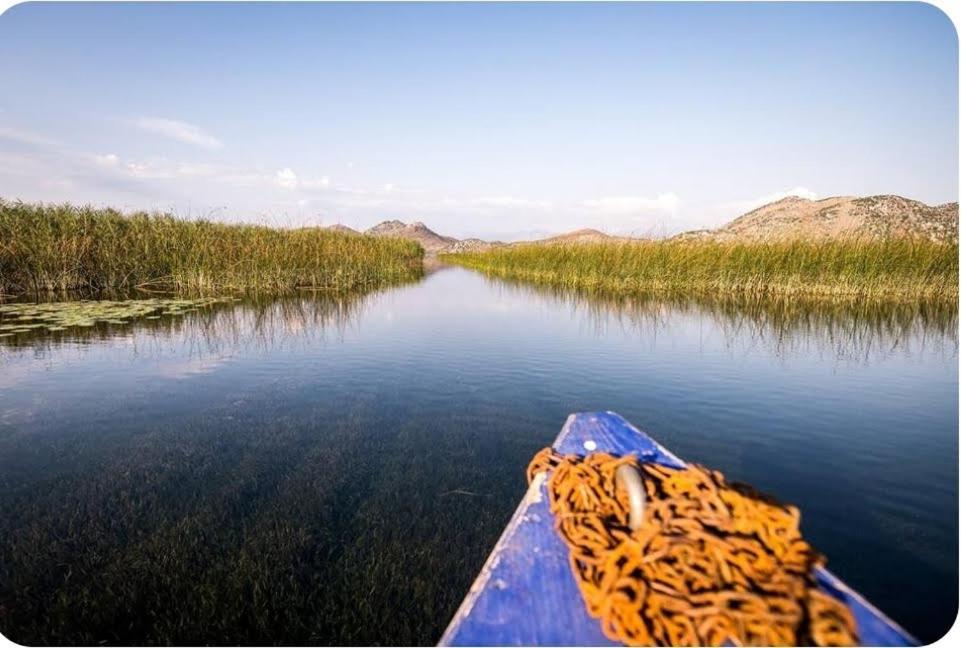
<point x="628" y="205"/>
<point x="741" y="206"/>
<point x="512" y="202"/>
<point x="322" y="182"/>
<point x="180" y="131"/>
<point x="147" y="170"/>
<point x="108" y="160"/>
<point x="25" y="137"/>
<point x="286" y="178"/>
<point x="189" y="169"/>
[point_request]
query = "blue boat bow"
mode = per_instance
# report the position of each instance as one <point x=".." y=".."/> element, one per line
<point x="526" y="595"/>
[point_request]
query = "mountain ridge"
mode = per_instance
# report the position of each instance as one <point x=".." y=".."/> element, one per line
<point x="792" y="217"/>
<point x="839" y="217"/>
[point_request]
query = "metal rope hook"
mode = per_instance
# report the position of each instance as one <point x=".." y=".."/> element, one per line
<point x="629" y="478"/>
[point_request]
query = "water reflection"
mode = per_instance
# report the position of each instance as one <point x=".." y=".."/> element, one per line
<point x="334" y="469"/>
<point x="256" y="323"/>
<point x="853" y="331"/>
<point x="850" y="331"/>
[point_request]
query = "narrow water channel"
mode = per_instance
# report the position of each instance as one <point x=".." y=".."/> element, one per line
<point x="334" y="470"/>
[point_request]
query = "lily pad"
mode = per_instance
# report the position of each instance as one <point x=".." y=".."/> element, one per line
<point x="16" y="319"/>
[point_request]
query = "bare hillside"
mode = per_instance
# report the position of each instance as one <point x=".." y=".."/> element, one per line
<point x="431" y="241"/>
<point x="840" y="217"/>
<point x="576" y="237"/>
<point x="342" y="228"/>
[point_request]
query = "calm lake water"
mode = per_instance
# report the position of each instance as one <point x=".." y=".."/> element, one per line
<point x="335" y="470"/>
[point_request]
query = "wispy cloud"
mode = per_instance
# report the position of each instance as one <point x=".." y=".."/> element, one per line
<point x="179" y="131"/>
<point x="25" y="137"/>
<point x="323" y="182"/>
<point x="296" y="195"/>
<point x="741" y="206"/>
<point x="108" y="160"/>
<point x="512" y="202"/>
<point x="286" y="178"/>
<point x="628" y="205"/>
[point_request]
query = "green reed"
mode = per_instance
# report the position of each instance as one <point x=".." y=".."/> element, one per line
<point x="895" y="269"/>
<point x="65" y="247"/>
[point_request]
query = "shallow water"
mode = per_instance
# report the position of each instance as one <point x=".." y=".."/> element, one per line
<point x="335" y="470"/>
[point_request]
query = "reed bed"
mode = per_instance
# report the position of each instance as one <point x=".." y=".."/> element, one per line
<point x="894" y="269"/>
<point x="70" y="248"/>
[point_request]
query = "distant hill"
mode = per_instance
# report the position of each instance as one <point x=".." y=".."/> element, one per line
<point x="434" y="243"/>
<point x="790" y="218"/>
<point x="431" y="241"/>
<point x="577" y="237"/>
<point x="839" y="217"/>
<point x="473" y="245"/>
<point x="342" y="228"/>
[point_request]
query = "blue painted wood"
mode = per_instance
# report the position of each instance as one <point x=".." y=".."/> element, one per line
<point x="526" y="594"/>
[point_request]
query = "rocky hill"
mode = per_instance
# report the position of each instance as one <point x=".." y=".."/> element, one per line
<point x="473" y="245"/>
<point x="576" y="237"/>
<point x="342" y="228"/>
<point x="791" y="218"/>
<point x="434" y="243"/>
<point x="431" y="241"/>
<point x="840" y="217"/>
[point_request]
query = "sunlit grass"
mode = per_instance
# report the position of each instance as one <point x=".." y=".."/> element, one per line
<point x="66" y="248"/>
<point x="885" y="269"/>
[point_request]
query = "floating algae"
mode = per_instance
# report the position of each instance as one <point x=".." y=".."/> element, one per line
<point x="59" y="316"/>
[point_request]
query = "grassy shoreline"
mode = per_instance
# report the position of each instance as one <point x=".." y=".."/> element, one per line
<point x="56" y="248"/>
<point x="889" y="270"/>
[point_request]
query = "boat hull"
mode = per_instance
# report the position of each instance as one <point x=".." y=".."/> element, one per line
<point x="526" y="594"/>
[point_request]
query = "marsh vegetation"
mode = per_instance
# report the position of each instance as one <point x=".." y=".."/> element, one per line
<point x="891" y="270"/>
<point x="47" y="248"/>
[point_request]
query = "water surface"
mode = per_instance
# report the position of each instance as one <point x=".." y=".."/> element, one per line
<point x="318" y="469"/>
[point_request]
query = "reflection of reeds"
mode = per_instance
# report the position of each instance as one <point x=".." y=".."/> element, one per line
<point x="852" y="328"/>
<point x="218" y="326"/>
<point x="61" y="248"/>
<point x="903" y="269"/>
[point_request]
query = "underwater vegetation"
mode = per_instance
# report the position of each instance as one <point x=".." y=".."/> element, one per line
<point x="272" y="529"/>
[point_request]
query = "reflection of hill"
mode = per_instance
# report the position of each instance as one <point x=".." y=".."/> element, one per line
<point x="432" y="264"/>
<point x="847" y="329"/>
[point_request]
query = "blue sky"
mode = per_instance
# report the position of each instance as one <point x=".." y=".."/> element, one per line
<point x="492" y="120"/>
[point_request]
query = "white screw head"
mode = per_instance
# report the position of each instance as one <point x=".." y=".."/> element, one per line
<point x="590" y="445"/>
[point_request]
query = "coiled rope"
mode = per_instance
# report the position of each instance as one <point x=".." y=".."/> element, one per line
<point x="712" y="563"/>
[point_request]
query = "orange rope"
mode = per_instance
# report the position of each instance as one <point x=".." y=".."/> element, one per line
<point x="713" y="562"/>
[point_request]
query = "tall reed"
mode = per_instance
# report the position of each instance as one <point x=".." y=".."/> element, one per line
<point x="64" y="247"/>
<point x="881" y="269"/>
